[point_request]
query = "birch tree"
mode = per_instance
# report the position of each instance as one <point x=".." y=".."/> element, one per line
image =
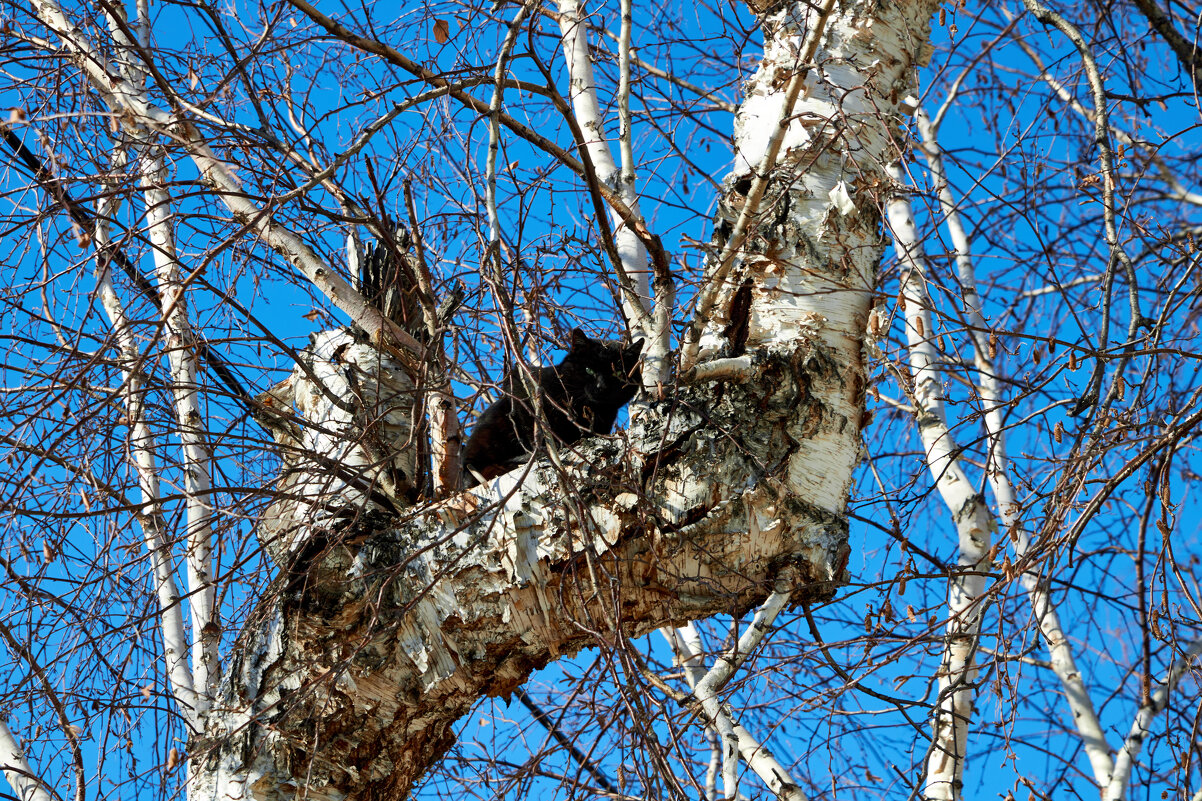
<point x="903" y="506"/>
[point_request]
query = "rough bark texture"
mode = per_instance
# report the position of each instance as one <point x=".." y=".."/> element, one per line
<point x="356" y="450"/>
<point x="388" y="629"/>
<point x="389" y="635"/>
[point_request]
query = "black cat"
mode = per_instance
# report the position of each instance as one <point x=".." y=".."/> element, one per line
<point x="580" y="397"/>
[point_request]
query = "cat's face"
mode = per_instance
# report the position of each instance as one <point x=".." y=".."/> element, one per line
<point x="613" y="365"/>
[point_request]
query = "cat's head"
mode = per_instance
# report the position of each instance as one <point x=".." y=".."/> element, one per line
<point x="614" y="363"/>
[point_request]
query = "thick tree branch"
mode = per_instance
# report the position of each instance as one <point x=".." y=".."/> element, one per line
<point x="1185" y="50"/>
<point x="387" y="628"/>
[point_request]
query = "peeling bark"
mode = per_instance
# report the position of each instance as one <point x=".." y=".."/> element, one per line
<point x="376" y="648"/>
<point x="388" y="626"/>
<point x="356" y="450"/>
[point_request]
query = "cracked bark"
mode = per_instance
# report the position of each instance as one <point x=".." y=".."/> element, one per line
<point x="388" y="625"/>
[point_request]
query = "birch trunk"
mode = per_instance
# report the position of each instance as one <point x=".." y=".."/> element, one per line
<point x="372" y="646"/>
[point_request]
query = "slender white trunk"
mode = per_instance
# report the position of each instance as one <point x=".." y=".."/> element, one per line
<point x="25" y="783"/>
<point x="1141" y="726"/>
<point x="997" y="470"/>
<point x="142" y="456"/>
<point x="587" y="107"/>
<point x="727" y="737"/>
<point x="191" y="422"/>
<point x="133" y="109"/>
<point x="970" y="514"/>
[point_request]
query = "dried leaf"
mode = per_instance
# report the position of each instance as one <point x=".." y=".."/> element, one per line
<point x="442" y="31"/>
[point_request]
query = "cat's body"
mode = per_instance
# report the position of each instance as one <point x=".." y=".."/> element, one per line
<point x="580" y="397"/>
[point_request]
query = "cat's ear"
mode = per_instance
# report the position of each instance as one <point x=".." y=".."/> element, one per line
<point x="580" y="340"/>
<point x="633" y="350"/>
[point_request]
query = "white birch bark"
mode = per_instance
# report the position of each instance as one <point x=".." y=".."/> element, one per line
<point x="198" y="557"/>
<point x="724" y="732"/>
<point x="1141" y="726"/>
<point x="468" y="596"/>
<point x="997" y="470"/>
<point x="191" y="422"/>
<point x="132" y="108"/>
<point x="145" y="463"/>
<point x="356" y="452"/>
<point x="970" y="514"/>
<point x="763" y="125"/>
<point x="685" y="643"/>
<point x="24" y="781"/>
<point x="587" y="107"/>
<point x="478" y="603"/>
<point x="647" y="312"/>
